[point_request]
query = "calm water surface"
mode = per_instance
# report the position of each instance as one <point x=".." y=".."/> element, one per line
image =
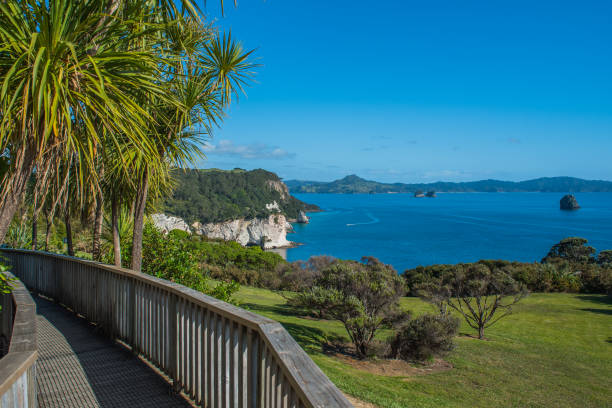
<point x="406" y="231"/>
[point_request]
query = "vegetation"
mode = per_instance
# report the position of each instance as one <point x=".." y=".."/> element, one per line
<point x="363" y="296"/>
<point x="5" y="281"/>
<point x="570" y="266"/>
<point x="173" y="258"/>
<point x="574" y="250"/>
<point x="565" y="336"/>
<point x="480" y="294"/>
<point x="99" y="101"/>
<point x="218" y="195"/>
<point x="425" y="337"/>
<point x="356" y="185"/>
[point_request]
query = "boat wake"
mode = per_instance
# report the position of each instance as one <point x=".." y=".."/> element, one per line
<point x="373" y="220"/>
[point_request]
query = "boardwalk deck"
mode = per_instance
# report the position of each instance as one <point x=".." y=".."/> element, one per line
<point x="79" y="368"/>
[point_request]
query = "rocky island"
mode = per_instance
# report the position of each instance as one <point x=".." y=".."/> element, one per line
<point x="569" y="203"/>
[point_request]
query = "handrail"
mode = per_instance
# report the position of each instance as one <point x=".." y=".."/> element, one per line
<point x="218" y="354"/>
<point x="18" y="365"/>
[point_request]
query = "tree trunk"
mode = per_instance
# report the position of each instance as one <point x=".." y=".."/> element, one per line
<point x="14" y="190"/>
<point x="68" y="233"/>
<point x="115" y="225"/>
<point x="96" y="250"/>
<point x="97" y="231"/>
<point x="48" y="232"/>
<point x="139" y="210"/>
<point x="34" y="228"/>
<point x="481" y="332"/>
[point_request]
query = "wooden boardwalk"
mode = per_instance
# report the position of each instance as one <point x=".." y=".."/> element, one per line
<point x="79" y="368"/>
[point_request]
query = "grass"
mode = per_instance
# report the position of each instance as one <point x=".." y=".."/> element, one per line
<point x="554" y="351"/>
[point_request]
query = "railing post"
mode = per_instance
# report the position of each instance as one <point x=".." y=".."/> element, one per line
<point x="133" y="319"/>
<point x="176" y="386"/>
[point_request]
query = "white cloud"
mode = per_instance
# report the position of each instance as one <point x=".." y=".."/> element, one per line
<point x="250" y="151"/>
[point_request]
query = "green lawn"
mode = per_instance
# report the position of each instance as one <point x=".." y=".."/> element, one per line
<point x="554" y="351"/>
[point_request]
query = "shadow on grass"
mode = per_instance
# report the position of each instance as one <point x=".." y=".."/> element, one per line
<point x="602" y="299"/>
<point x="282" y="310"/>
<point x="310" y="338"/>
<point x="600" y="311"/>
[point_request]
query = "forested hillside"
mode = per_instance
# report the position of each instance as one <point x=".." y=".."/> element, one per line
<point x="353" y="184"/>
<point x="220" y="195"/>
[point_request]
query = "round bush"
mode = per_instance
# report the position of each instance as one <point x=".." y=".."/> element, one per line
<point x="425" y="337"/>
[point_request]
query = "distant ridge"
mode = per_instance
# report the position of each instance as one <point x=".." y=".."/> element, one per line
<point x="354" y="184"/>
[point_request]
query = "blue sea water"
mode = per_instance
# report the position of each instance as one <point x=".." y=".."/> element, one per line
<point x="405" y="231"/>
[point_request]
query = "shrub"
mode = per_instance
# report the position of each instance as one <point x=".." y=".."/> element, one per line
<point x="483" y="293"/>
<point x="425" y="337"/>
<point x="172" y="257"/>
<point x="572" y="249"/>
<point x="363" y="296"/>
<point x="5" y="281"/>
<point x="300" y="275"/>
<point x="605" y="279"/>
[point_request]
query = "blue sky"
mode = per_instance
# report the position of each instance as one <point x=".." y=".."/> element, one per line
<point x="419" y="91"/>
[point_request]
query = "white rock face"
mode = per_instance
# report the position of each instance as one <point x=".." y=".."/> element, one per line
<point x="302" y="218"/>
<point x="273" y="206"/>
<point x="251" y="232"/>
<point x="166" y="223"/>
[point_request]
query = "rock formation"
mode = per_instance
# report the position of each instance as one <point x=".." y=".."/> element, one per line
<point x="568" y="202"/>
<point x="273" y="206"/>
<point x="270" y="232"/>
<point x="302" y="218"/>
<point x="166" y="223"/>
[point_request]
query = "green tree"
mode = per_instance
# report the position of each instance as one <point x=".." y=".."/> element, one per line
<point x="605" y="258"/>
<point x="69" y="86"/>
<point x="482" y="295"/>
<point x="573" y="250"/>
<point x="200" y="85"/>
<point x="363" y="296"/>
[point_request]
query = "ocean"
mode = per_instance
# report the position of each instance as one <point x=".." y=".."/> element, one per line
<point x="405" y="231"/>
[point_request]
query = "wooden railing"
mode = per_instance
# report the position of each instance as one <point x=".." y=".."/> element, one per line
<point x="218" y="354"/>
<point x="19" y="352"/>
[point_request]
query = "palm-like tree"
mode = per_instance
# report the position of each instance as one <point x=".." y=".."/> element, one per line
<point x="210" y="68"/>
<point x="64" y="65"/>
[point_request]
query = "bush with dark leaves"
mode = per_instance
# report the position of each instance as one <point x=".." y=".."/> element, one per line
<point x="425" y="337"/>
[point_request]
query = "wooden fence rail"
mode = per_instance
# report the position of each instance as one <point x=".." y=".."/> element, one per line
<point x="19" y="352"/>
<point x="220" y="355"/>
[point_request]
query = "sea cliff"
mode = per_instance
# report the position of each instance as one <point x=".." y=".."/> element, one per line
<point x="268" y="232"/>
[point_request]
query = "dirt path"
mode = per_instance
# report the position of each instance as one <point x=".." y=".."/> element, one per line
<point x="358" y="403"/>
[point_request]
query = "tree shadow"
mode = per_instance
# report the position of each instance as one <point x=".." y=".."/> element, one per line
<point x="602" y="299"/>
<point x="78" y="363"/>
<point x="312" y="339"/>
<point x="600" y="311"/>
<point x="283" y="310"/>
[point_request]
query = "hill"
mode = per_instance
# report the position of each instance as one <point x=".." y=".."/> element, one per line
<point x="354" y="185"/>
<point x="221" y="195"/>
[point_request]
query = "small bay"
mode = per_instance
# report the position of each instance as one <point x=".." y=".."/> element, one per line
<point x="405" y="231"/>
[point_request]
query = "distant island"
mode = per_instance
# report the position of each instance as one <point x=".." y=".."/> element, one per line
<point x="356" y="185"/>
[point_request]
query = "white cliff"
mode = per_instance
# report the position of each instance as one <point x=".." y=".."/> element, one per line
<point x="273" y="206"/>
<point x="270" y="232"/>
<point x="166" y="223"/>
